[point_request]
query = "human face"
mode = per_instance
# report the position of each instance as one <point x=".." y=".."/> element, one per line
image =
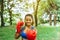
<point x="28" y="21"/>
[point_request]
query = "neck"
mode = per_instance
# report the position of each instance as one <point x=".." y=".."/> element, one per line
<point x="29" y="26"/>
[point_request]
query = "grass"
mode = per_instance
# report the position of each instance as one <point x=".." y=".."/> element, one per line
<point x="7" y="33"/>
<point x="47" y="33"/>
<point x="43" y="33"/>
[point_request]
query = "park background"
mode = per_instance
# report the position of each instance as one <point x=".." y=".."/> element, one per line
<point x="46" y="16"/>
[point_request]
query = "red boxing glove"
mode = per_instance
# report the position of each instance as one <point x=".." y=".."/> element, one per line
<point x="19" y="25"/>
<point x="31" y="35"/>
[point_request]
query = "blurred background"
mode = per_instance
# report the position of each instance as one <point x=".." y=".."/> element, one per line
<point x="46" y="16"/>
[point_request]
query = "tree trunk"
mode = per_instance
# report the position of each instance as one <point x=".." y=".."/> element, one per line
<point x="10" y="13"/>
<point x="50" y="19"/>
<point x="54" y="19"/>
<point x="2" y="8"/>
<point x="35" y="15"/>
<point x="58" y="19"/>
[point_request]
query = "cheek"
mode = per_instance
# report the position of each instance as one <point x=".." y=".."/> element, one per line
<point x="31" y="22"/>
<point x="28" y="22"/>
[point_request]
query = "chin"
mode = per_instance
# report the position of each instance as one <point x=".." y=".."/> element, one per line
<point x="28" y="25"/>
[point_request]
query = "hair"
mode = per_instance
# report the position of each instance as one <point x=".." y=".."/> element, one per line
<point x="31" y="17"/>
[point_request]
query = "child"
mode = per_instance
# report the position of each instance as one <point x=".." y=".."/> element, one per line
<point x="28" y="26"/>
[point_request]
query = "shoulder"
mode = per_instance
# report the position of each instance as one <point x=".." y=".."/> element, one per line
<point x="22" y="28"/>
<point x="33" y="27"/>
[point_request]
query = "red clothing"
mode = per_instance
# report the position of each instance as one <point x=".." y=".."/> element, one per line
<point x="19" y="25"/>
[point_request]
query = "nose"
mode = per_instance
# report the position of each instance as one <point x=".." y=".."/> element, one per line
<point x="28" y="21"/>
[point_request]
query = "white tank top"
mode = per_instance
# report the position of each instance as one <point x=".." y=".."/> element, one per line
<point x="24" y="39"/>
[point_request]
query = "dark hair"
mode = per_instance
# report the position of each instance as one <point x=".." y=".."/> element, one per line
<point x="30" y="16"/>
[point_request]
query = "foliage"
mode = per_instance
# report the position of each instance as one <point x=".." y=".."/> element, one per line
<point x="20" y="7"/>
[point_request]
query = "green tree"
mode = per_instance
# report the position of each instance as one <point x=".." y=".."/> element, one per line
<point x="53" y="7"/>
<point x="2" y="9"/>
<point x="35" y="11"/>
<point x="10" y="12"/>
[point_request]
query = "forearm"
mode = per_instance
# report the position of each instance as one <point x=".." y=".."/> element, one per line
<point x="17" y="35"/>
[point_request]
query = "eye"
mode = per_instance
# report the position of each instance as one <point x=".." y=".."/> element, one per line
<point x="28" y="19"/>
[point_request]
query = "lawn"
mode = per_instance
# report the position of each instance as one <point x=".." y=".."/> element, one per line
<point x="43" y="33"/>
<point x="48" y="33"/>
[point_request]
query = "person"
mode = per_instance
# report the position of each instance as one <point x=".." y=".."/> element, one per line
<point x="28" y="25"/>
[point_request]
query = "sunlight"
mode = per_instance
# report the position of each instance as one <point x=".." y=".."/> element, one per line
<point x="19" y="8"/>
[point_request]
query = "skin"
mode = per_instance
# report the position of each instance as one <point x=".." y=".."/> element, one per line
<point x="28" y="21"/>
